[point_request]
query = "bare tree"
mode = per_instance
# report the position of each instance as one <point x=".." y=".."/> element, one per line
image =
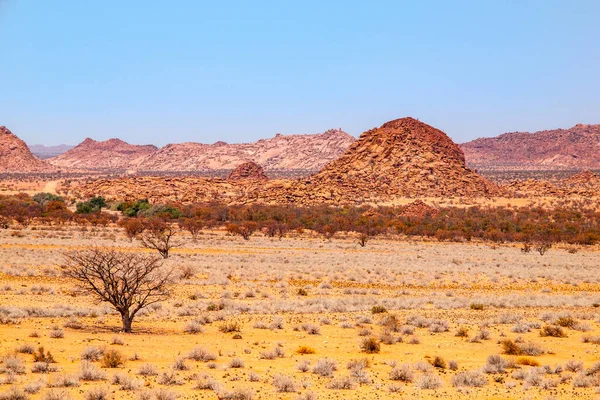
<point x="128" y="281"/>
<point x="158" y="235"/>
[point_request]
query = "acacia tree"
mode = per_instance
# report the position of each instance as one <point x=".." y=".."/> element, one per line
<point x="158" y="235"/>
<point x="129" y="282"/>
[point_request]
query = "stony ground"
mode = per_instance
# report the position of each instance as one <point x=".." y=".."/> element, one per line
<point x="441" y="313"/>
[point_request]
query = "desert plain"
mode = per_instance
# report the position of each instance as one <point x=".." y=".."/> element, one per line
<point x="297" y="317"/>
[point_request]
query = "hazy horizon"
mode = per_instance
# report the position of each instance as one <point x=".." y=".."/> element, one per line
<point x="151" y="73"/>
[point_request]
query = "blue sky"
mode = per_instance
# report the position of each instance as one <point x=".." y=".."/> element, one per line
<point x="173" y="71"/>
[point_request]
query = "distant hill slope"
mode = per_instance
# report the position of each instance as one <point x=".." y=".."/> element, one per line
<point x="112" y="154"/>
<point x="574" y="148"/>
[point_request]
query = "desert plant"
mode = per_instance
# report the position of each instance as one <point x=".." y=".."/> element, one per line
<point x="428" y="381"/>
<point x="305" y="350"/>
<point x="403" y="373"/>
<point x="201" y="354"/>
<point x="236" y="363"/>
<point x="159" y="235"/>
<point x="438" y="362"/>
<point x="341" y="383"/>
<point x="147" y="370"/>
<point x="469" y="379"/>
<point x="324" y="367"/>
<point x="370" y="345"/>
<point x="553" y="331"/>
<point x="494" y="365"/>
<point x="89" y="372"/>
<point x="112" y="359"/>
<point x="284" y="384"/>
<point x="98" y="393"/>
<point x="378" y="309"/>
<point x="230" y="326"/>
<point x="128" y="281"/>
<point x="92" y="353"/>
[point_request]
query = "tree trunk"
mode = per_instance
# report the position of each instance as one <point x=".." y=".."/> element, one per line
<point x="127" y="321"/>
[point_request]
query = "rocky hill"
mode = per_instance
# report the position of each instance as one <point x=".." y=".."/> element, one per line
<point x="15" y="156"/>
<point x="283" y="152"/>
<point x="402" y="158"/>
<point x="113" y="154"/>
<point x="574" y="148"/>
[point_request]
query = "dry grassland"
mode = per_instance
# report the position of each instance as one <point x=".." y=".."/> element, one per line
<point x="243" y="313"/>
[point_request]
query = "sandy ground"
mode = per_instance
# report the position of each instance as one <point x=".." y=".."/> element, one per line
<point x="432" y="288"/>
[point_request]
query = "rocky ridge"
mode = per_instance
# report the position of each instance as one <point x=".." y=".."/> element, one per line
<point x="574" y="148"/>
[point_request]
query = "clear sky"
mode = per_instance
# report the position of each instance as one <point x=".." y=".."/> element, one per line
<point x="171" y="71"/>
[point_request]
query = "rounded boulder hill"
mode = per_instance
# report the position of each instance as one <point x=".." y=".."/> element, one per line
<point x="404" y="158"/>
<point x="248" y="171"/>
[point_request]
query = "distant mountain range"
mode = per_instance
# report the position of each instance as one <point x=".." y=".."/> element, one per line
<point x="577" y="148"/>
<point x="282" y="152"/>
<point x="44" y="152"/>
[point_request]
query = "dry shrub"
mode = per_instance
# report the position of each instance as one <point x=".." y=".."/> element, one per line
<point x="469" y="379"/>
<point x="552" y="331"/>
<point x="370" y="345"/>
<point x="305" y="350"/>
<point x="112" y="359"/>
<point x="528" y="361"/>
<point x="438" y="362"/>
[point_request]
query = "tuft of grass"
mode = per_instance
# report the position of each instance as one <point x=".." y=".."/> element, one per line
<point x="528" y="361"/>
<point x="429" y="381"/>
<point x="469" y="379"/>
<point x="403" y="373"/>
<point x="439" y="362"/>
<point x="112" y="359"/>
<point x="284" y="384"/>
<point x="552" y="331"/>
<point x="462" y="331"/>
<point x="201" y="354"/>
<point x="378" y="309"/>
<point x="230" y="326"/>
<point x="305" y="350"/>
<point x="370" y="345"/>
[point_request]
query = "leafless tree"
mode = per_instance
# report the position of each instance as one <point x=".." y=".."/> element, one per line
<point x="159" y="235"/>
<point x="128" y="281"/>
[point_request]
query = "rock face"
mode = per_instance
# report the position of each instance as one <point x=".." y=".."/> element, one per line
<point x="283" y="152"/>
<point x="248" y="171"/>
<point x="113" y="154"/>
<point x="574" y="148"/>
<point x="585" y="184"/>
<point x="402" y="158"/>
<point x="15" y="156"/>
<point x="45" y="152"/>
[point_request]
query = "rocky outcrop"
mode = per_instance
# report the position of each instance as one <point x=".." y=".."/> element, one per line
<point x="15" y="156"/>
<point x="109" y="155"/>
<point x="574" y="148"/>
<point x="248" y="171"/>
<point x="402" y="158"/>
